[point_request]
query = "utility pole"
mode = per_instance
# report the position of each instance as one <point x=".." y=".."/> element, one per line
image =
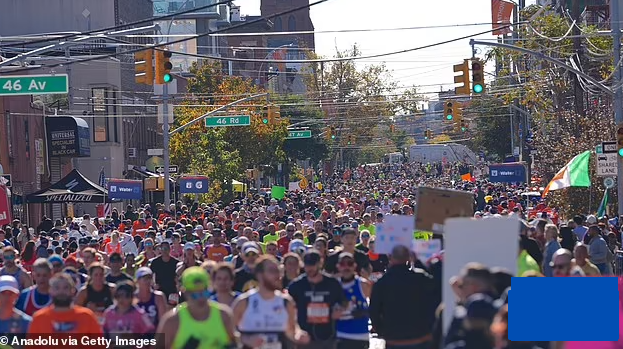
<point x="165" y="145"/>
<point x="618" y="93"/>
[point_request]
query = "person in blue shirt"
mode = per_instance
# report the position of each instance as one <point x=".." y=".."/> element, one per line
<point x="3" y="239"/>
<point x="12" y="321"/>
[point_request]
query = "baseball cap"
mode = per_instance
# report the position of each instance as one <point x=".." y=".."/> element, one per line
<point x="8" y="283"/>
<point x="55" y="259"/>
<point x="345" y="255"/>
<point x="195" y="279"/>
<point x="591" y="219"/>
<point x="250" y="246"/>
<point x="189" y="246"/>
<point x="297" y="246"/>
<point x="143" y="271"/>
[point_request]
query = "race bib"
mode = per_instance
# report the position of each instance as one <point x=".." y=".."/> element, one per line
<point x="374" y="277"/>
<point x="318" y="313"/>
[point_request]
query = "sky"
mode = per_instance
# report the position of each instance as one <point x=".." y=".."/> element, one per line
<point x="429" y="70"/>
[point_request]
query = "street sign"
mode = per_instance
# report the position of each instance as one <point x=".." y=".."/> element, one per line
<point x="160" y="169"/>
<point x="609" y="182"/>
<point x="609" y="147"/>
<point x="233" y="120"/>
<point x="607" y="165"/>
<point x="155" y="152"/>
<point x="299" y="134"/>
<point x="34" y="84"/>
<point x="7" y="180"/>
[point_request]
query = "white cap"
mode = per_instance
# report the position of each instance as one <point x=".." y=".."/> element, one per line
<point x="591" y="219"/>
<point x="8" y="283"/>
<point x="189" y="246"/>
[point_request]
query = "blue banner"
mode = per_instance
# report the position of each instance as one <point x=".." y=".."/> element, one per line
<point x="194" y="185"/>
<point x="507" y="173"/>
<point x="125" y="189"/>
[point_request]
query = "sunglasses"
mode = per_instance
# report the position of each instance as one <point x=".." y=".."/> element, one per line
<point x="9" y="257"/>
<point x="560" y="266"/>
<point x="200" y="295"/>
<point x="365" y="236"/>
<point x="149" y="245"/>
<point x="347" y="263"/>
<point x="123" y="295"/>
<point x="251" y="254"/>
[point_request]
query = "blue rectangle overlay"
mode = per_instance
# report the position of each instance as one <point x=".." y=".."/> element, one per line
<point x="549" y="308"/>
<point x="514" y="172"/>
<point x="125" y="189"/>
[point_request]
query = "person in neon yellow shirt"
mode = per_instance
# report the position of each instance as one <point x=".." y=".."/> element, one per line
<point x="367" y="224"/>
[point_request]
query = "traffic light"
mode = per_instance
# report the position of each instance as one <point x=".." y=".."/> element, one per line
<point x="144" y="67"/>
<point x="428" y="134"/>
<point x="330" y="133"/>
<point x="462" y="78"/>
<point x="449" y="110"/>
<point x="464" y="125"/>
<point x="265" y="115"/>
<point x="270" y="114"/>
<point x="478" y="77"/>
<point x="163" y="67"/>
<point x="351" y="139"/>
<point x="620" y="139"/>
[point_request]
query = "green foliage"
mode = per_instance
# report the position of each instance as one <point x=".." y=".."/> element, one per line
<point x="492" y="131"/>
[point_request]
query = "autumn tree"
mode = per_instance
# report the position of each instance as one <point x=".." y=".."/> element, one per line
<point x="566" y="117"/>
<point x="223" y="153"/>
<point x="358" y="100"/>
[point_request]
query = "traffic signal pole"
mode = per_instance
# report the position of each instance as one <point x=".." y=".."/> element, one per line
<point x="165" y="145"/>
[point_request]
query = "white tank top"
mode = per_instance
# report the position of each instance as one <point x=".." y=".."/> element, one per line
<point x="264" y="315"/>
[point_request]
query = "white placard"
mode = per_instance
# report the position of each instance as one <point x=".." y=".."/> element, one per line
<point x="607" y="165"/>
<point x="493" y="242"/>
<point x="425" y="249"/>
<point x="394" y="231"/>
<point x="293" y="186"/>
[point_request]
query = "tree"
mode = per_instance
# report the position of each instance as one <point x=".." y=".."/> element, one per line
<point x="357" y="100"/>
<point x="442" y="138"/>
<point x="492" y="132"/>
<point x="314" y="148"/>
<point x="562" y="123"/>
<point x="223" y="153"/>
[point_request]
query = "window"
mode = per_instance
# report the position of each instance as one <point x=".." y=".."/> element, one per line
<point x="278" y="24"/>
<point x="291" y="23"/>
<point x="100" y="123"/>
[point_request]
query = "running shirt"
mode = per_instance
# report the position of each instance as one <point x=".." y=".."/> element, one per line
<point x="30" y="300"/>
<point x="77" y="320"/>
<point x="100" y="299"/>
<point x="214" y="297"/>
<point x="151" y="309"/>
<point x="353" y="324"/>
<point x="265" y="317"/>
<point x="113" y="248"/>
<point x="217" y="253"/>
<point x="18" y="323"/>
<point x="132" y="321"/>
<point x="207" y="334"/>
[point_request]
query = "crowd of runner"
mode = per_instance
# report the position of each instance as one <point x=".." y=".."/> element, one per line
<point x="301" y="271"/>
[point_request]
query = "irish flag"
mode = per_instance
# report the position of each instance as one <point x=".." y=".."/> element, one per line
<point x="574" y="174"/>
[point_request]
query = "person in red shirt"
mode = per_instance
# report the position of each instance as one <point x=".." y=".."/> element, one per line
<point x="284" y="242"/>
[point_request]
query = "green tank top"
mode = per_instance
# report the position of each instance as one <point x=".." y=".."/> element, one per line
<point x="208" y="334"/>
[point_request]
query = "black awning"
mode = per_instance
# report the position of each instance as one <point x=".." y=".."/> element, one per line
<point x="72" y="188"/>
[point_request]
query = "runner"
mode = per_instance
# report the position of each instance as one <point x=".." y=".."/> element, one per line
<point x="37" y="297"/>
<point x="153" y="302"/>
<point x="12" y="320"/>
<point x="199" y="322"/>
<point x="265" y="316"/>
<point x="63" y="317"/>
<point x="10" y="267"/>
<point x="97" y="295"/>
<point x="352" y="327"/>
<point x="223" y="276"/>
<point x="319" y="300"/>
<point x="123" y="317"/>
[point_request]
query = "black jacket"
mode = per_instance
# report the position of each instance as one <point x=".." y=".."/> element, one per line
<point x="402" y="304"/>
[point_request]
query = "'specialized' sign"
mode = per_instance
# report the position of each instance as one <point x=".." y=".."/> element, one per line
<point x="225" y="121"/>
<point x="34" y="84"/>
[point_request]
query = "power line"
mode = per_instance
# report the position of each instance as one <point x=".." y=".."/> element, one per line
<point x="125" y="25"/>
<point x="161" y="45"/>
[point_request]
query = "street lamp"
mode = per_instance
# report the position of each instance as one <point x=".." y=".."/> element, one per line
<point x="259" y="73"/>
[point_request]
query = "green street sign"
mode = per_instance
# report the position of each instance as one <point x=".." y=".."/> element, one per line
<point x="225" y="121"/>
<point x="34" y="84"/>
<point x="299" y="134"/>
